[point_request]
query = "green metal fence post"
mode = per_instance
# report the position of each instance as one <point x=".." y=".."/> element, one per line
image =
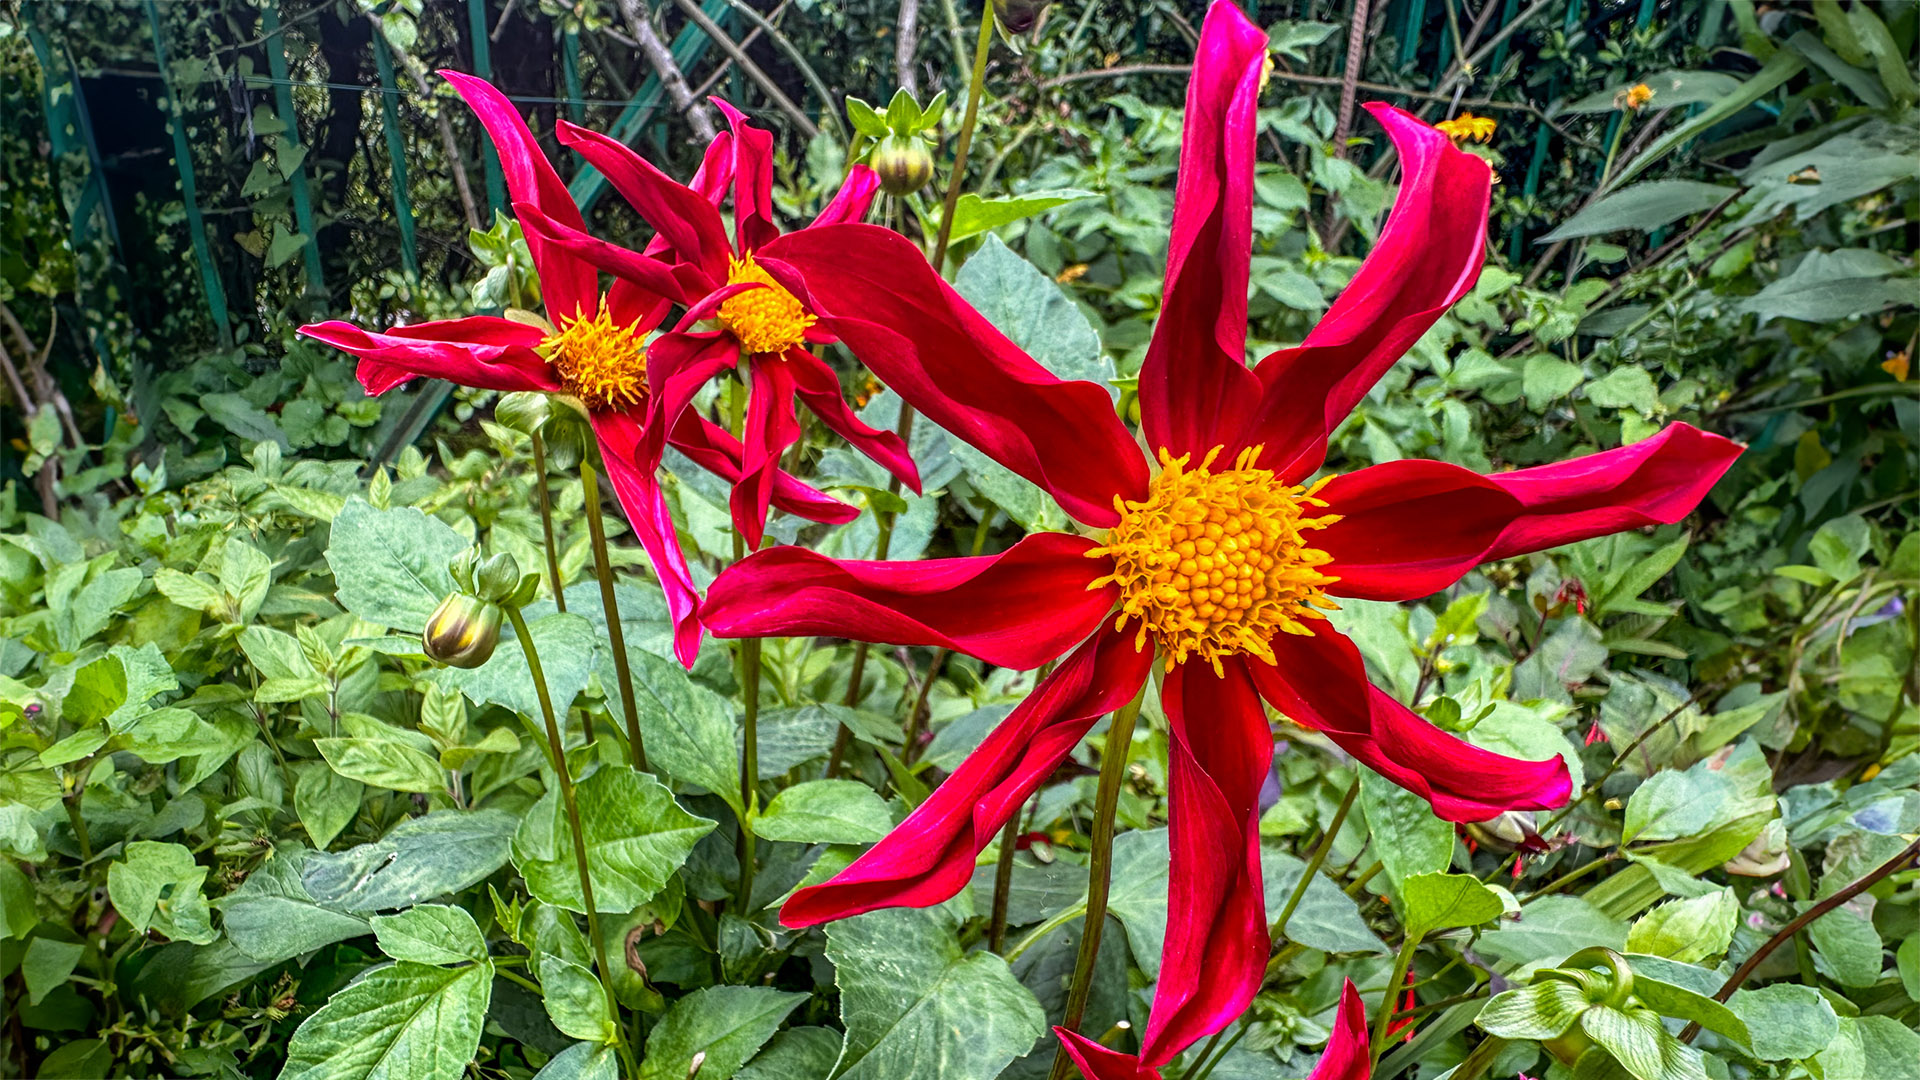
<point x="396" y="153"/>
<point x="483" y="67"/>
<point x="183" y="161"/>
<point x="276" y="47"/>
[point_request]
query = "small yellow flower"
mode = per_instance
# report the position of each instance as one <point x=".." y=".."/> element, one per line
<point x="1468" y="126"/>
<point x="1899" y="365"/>
<point x="1637" y="95"/>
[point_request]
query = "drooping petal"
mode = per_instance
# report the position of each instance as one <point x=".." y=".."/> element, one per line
<point x="631" y="469"/>
<point x="714" y="178"/>
<point x="1345" y="1057"/>
<point x="480" y="351"/>
<point x="569" y="287"/>
<point x="1215" y="953"/>
<point x="1320" y="682"/>
<point x="653" y="275"/>
<point x="819" y="390"/>
<point x="851" y="202"/>
<point x="770" y="429"/>
<point x="873" y="289"/>
<point x="1428" y="256"/>
<point x="715" y="449"/>
<point x="1195" y="389"/>
<point x="1411" y="528"/>
<point x="930" y="856"/>
<point x="683" y="217"/>
<point x="1017" y="609"/>
<point x="753" y="223"/>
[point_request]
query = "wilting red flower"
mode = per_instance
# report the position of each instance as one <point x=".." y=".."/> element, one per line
<point x="1345" y="1058"/>
<point x="1408" y="1000"/>
<point x="592" y="350"/>
<point x="736" y="313"/>
<point x="1223" y="559"/>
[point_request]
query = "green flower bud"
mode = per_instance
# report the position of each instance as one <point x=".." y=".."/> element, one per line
<point x="1018" y="16"/>
<point x="903" y="163"/>
<point x="462" y="631"/>
<point x="497" y="577"/>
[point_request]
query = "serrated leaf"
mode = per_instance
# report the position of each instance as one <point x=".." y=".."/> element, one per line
<point x="383" y="763"/>
<point x="422" y="858"/>
<point x="272" y="917"/>
<point x="391" y="565"/>
<point x="1687" y="930"/>
<point x="825" y="812"/>
<point x="726" y="1024"/>
<point x="157" y="886"/>
<point x="974" y="215"/>
<point x="636" y="837"/>
<point x="430" y="934"/>
<point x="403" y="1022"/>
<point x="1431" y="902"/>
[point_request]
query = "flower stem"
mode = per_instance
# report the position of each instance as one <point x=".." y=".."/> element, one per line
<point x="1002" y="883"/>
<point x="557" y="751"/>
<point x="546" y="517"/>
<point x="748" y="656"/>
<point x="965" y="143"/>
<point x="1400" y="965"/>
<point x="1113" y="770"/>
<point x="1319" y="856"/>
<point x="616" y="635"/>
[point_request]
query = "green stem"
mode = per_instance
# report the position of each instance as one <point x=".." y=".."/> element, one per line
<point x="546" y="517"/>
<point x="1207" y="1069"/>
<point x="1400" y="965"/>
<point x="748" y="655"/>
<point x="1319" y="856"/>
<point x="1113" y="770"/>
<point x="981" y="48"/>
<point x="1002" y="882"/>
<point x="557" y="751"/>
<point x="616" y="635"/>
<point x="1037" y="933"/>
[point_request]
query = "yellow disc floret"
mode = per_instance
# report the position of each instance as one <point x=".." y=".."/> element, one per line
<point x="1215" y="562"/>
<point x="767" y="320"/>
<point x="602" y="363"/>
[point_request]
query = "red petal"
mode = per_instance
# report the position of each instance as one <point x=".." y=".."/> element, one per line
<point x="654" y="276"/>
<point x="1428" y="256"/>
<point x="1346" y="1056"/>
<point x="753" y="223"/>
<point x="570" y="287"/>
<point x="819" y="390"/>
<point x="855" y="197"/>
<point x="1320" y="682"/>
<point x="682" y="216"/>
<point x="770" y="429"/>
<point x="1412" y="528"/>
<point x="479" y="351"/>
<point x="873" y="289"/>
<point x="929" y="857"/>
<point x="1096" y="1062"/>
<point x="1215" y="954"/>
<point x="714" y="449"/>
<point x="714" y="177"/>
<point x="631" y="466"/>
<point x="1195" y="389"/>
<point x="1017" y="609"/>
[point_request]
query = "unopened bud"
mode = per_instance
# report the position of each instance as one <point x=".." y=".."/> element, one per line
<point x="1018" y="16"/>
<point x="497" y="577"/>
<point x="903" y="163"/>
<point x="462" y="631"/>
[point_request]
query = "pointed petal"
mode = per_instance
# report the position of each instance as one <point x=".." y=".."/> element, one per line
<point x="752" y="181"/>
<point x="682" y="216"/>
<point x="570" y="287"/>
<point x="1017" y="609"/>
<point x="1195" y="389"/>
<point x="855" y="197"/>
<point x="1320" y="682"/>
<point x="770" y="429"/>
<point x="652" y="275"/>
<point x="480" y="351"/>
<point x="1346" y="1056"/>
<point x="1428" y="256"/>
<point x="715" y="449"/>
<point x="631" y="469"/>
<point x="1411" y="528"/>
<point x="1215" y="953"/>
<point x="1096" y="1062"/>
<point x="873" y="289"/>
<point x="819" y="390"/>
<point x="929" y="857"/>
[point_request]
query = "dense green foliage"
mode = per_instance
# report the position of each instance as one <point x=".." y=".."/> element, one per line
<point x="233" y="788"/>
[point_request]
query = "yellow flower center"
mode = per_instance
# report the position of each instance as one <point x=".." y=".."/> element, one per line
<point x="765" y="320"/>
<point x="603" y="364"/>
<point x="1214" y="562"/>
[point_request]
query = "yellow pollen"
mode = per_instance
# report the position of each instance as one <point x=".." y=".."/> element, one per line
<point x="1214" y="563"/>
<point x="602" y="363"/>
<point x="768" y="320"/>
<point x="1468" y="126"/>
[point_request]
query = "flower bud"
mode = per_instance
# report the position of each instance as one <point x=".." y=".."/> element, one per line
<point x="903" y="163"/>
<point x="462" y="631"/>
<point x="1018" y="16"/>
<point x="497" y="577"/>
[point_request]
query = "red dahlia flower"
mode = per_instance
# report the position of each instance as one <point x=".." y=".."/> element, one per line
<point x="1215" y="555"/>
<point x="592" y="349"/>
<point x="1345" y="1058"/>
<point x="736" y="313"/>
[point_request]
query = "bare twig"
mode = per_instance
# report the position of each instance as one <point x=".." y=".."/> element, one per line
<point x="417" y="73"/>
<point x="727" y="45"/>
<point x="661" y="60"/>
<point x="1350" y="79"/>
<point x="906" y="35"/>
<point x="829" y="103"/>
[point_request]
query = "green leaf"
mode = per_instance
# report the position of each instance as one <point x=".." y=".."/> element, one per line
<point x="865" y="120"/>
<point x="1292" y="39"/>
<point x="1138" y="895"/>
<point x="1687" y="930"/>
<point x="1409" y="837"/>
<point x="566" y="644"/>
<point x="1033" y="312"/>
<point x="1846" y="940"/>
<point x="430" y="934"/>
<point x="46" y="965"/>
<point x="825" y="812"/>
<point x="636" y="837"/>
<point x="1625" y="388"/>
<point x="1327" y="918"/>
<point x="795" y="1052"/>
<point x="410" y="1021"/>
<point x="1827" y="286"/>
<point x="575" y="1001"/>
<point x="325" y="801"/>
<point x="272" y="917"/>
<point x="290" y="676"/>
<point x="1889" y="1048"/>
<point x="582" y="1061"/>
<point x="1545" y="379"/>
<point x="444" y="852"/>
<point x="383" y="763"/>
<point x="1838" y="545"/>
<point x="915" y="1004"/>
<point x="242" y="417"/>
<point x="1544" y="1010"/>
<point x="975" y="215"/>
<point x="1641" y="1044"/>
<point x="18" y="914"/>
<point x="1431" y="902"/>
<point x="157" y="887"/>
<point x="245" y="575"/>
<point x="728" y="1024"/>
<point x="1684" y="1003"/>
<point x="391" y="565"/>
<point x="1641" y="208"/>
<point x="1784" y="65"/>
<point x="1673" y="804"/>
<point x="688" y="729"/>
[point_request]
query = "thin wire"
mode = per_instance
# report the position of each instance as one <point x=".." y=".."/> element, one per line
<point x="254" y="82"/>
